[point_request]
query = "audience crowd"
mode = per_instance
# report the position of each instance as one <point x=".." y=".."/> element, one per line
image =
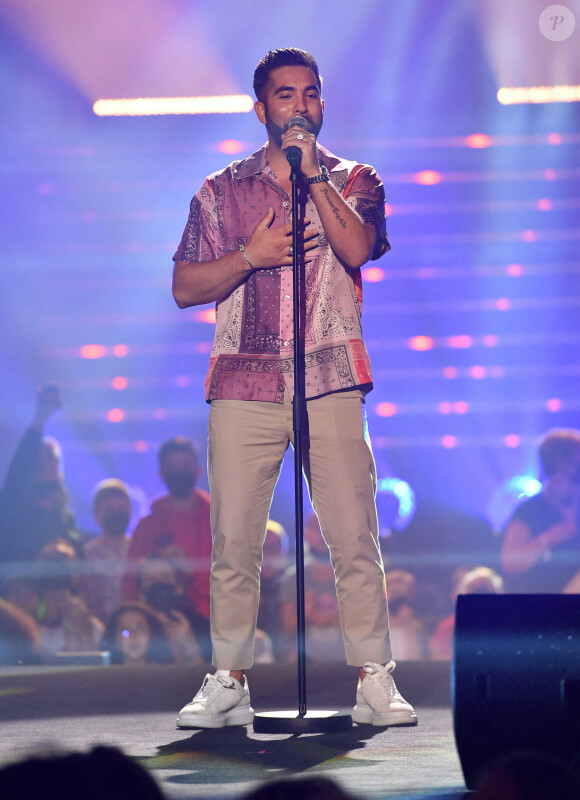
<point x="105" y="771"/>
<point x="142" y="596"/>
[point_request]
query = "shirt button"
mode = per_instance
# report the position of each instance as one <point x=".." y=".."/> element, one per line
<point x="285" y="203"/>
<point x="286" y="344"/>
<point x="287" y="297"/>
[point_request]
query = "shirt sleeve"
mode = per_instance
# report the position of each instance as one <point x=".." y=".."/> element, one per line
<point x="537" y="514"/>
<point x="18" y="486"/>
<point x="201" y="240"/>
<point x="366" y="195"/>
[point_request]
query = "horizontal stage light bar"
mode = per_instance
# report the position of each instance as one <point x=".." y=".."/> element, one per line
<point x="515" y="95"/>
<point x="155" y="106"/>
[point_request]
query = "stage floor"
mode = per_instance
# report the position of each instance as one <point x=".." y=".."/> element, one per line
<point x="75" y="708"/>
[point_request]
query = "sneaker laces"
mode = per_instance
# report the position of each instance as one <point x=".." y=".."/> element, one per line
<point x="212" y="685"/>
<point x="382" y="675"/>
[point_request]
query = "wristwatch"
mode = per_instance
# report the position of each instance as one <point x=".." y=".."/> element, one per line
<point x="323" y="177"/>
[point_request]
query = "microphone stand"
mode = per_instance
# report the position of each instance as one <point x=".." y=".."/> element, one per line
<point x="304" y="721"/>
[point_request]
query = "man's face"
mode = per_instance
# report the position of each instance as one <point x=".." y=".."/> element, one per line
<point x="179" y="471"/>
<point x="157" y="570"/>
<point x="291" y="91"/>
<point x="113" y="513"/>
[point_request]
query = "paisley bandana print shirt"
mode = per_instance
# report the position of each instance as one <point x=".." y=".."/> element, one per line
<point x="252" y="354"/>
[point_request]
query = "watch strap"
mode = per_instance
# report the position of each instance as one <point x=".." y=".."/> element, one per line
<point x="322" y="177"/>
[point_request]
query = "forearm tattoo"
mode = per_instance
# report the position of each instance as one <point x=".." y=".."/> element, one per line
<point x="335" y="209"/>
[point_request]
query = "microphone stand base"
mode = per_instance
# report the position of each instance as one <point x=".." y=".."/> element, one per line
<point x="311" y="722"/>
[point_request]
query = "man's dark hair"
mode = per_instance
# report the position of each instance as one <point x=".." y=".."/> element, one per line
<point x="282" y="57"/>
<point x="558" y="445"/>
<point x="179" y="444"/>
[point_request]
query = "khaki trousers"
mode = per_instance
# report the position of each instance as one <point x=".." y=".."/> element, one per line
<point x="246" y="446"/>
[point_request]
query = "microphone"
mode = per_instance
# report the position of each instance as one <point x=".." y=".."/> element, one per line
<point x="293" y="153"/>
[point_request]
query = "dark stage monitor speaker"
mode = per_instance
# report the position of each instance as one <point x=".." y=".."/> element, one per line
<point x="515" y="678"/>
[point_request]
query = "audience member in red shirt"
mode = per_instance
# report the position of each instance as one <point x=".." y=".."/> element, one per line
<point x="178" y="527"/>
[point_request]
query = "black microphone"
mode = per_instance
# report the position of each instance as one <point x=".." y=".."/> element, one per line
<point x="294" y="154"/>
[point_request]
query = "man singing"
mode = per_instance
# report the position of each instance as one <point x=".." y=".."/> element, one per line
<point x="236" y="251"/>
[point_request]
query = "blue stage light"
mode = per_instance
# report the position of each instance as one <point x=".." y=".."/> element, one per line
<point x="509" y="495"/>
<point x="396" y="504"/>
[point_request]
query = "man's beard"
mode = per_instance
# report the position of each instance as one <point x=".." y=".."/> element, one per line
<point x="276" y="131"/>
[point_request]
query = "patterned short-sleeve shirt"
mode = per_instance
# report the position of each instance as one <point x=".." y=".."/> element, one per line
<point x="252" y="354"/>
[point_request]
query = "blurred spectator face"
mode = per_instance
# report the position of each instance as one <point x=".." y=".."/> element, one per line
<point x="274" y="553"/>
<point x="559" y="454"/>
<point x="113" y="513"/>
<point x="480" y="586"/>
<point x="179" y="472"/>
<point x="160" y="585"/>
<point x="400" y="584"/>
<point x="400" y="590"/>
<point x="133" y="636"/>
<point x="313" y="536"/>
<point x="58" y="560"/>
<point x="157" y="570"/>
<point x="481" y="580"/>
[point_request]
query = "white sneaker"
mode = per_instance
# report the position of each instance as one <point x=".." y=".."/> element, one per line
<point x="222" y="700"/>
<point x="377" y="700"/>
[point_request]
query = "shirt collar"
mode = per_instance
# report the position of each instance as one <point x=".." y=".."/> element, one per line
<point x="256" y="163"/>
